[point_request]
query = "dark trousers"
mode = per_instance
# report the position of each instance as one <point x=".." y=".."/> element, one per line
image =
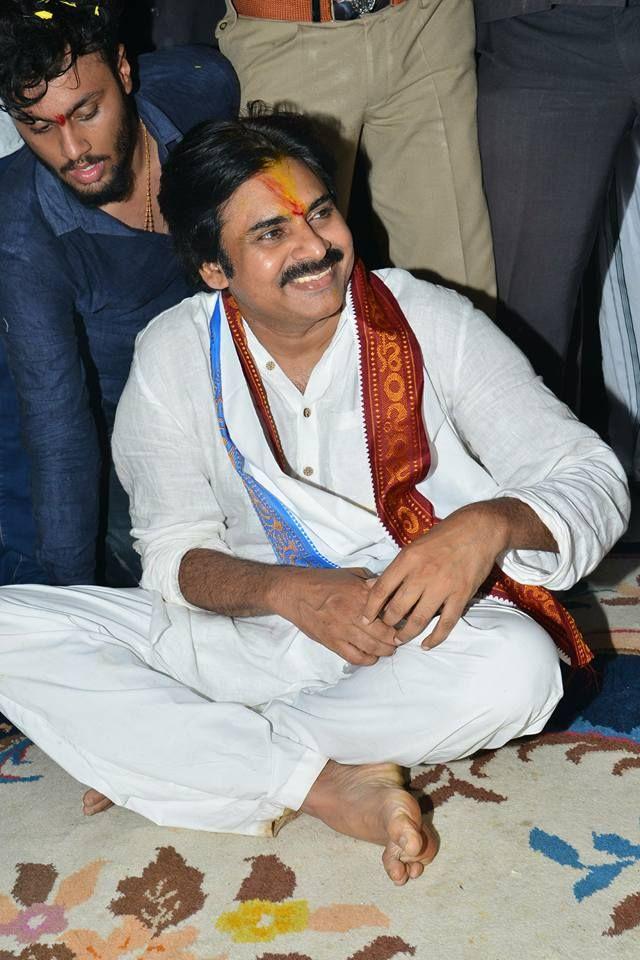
<point x="187" y="21"/>
<point x="558" y="90"/>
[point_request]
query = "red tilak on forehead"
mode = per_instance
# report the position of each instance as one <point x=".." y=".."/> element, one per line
<point x="60" y="119"/>
<point x="283" y="187"/>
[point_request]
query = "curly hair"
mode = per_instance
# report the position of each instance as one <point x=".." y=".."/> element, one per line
<point x="42" y="39"/>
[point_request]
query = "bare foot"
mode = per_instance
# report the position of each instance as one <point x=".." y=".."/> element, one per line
<point x="370" y="803"/>
<point x="94" y="802"/>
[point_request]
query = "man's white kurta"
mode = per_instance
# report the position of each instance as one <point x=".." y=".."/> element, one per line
<point x="144" y="697"/>
<point x="493" y="428"/>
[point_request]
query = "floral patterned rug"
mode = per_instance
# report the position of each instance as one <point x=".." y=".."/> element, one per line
<point x="540" y="855"/>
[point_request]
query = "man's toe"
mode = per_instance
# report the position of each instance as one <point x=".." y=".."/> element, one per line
<point x="396" y="869"/>
<point x="94" y="802"/>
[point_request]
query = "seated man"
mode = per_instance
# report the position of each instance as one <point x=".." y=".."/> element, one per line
<point x="349" y="492"/>
<point x="86" y="262"/>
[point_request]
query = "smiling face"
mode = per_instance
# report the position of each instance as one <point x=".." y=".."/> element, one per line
<point x="84" y="129"/>
<point x="290" y="251"/>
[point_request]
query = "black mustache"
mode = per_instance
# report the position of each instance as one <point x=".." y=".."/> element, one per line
<point x="307" y="268"/>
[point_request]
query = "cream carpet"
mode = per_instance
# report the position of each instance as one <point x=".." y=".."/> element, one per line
<point x="540" y="855"/>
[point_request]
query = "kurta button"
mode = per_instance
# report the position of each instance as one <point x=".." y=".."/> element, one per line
<point x="308" y="471"/>
<point x="223" y="25"/>
<point x="270" y="365"/>
<point x="306" y="412"/>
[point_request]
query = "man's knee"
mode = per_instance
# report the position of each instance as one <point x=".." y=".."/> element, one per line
<point x="520" y="683"/>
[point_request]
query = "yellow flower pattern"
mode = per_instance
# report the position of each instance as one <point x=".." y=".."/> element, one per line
<point x="259" y="921"/>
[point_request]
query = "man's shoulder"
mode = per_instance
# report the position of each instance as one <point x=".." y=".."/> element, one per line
<point x="22" y="218"/>
<point x="169" y="337"/>
<point x="443" y="321"/>
<point x="423" y="302"/>
<point x="190" y="84"/>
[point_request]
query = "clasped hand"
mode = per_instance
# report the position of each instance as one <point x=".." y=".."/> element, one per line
<point x="364" y="619"/>
<point x="328" y="606"/>
<point x="439" y="572"/>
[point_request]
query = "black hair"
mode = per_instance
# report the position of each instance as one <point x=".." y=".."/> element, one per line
<point x="214" y="159"/>
<point x="42" y="39"/>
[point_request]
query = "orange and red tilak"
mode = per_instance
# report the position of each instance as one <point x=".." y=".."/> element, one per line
<point x="281" y="182"/>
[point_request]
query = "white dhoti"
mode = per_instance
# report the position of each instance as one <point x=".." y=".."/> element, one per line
<point x="81" y="676"/>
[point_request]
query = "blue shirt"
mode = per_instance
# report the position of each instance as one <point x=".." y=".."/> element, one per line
<point x="76" y="286"/>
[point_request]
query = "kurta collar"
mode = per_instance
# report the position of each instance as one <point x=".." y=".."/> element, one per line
<point x="322" y="374"/>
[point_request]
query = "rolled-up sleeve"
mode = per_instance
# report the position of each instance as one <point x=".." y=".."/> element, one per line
<point x="537" y="451"/>
<point x="160" y="462"/>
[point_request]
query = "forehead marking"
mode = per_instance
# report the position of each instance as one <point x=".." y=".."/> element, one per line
<point x="60" y="119"/>
<point x="280" y="181"/>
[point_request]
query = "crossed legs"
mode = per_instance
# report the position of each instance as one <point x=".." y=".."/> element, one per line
<point x="75" y="680"/>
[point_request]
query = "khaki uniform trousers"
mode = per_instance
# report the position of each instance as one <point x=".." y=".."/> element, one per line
<point x="401" y="84"/>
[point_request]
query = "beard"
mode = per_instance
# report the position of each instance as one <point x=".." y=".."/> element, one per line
<point x="120" y="183"/>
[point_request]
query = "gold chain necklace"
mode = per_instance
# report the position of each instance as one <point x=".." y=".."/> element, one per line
<point x="149" y="223"/>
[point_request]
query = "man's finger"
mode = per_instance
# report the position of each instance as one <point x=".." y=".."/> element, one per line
<point x="380" y="631"/>
<point x="383" y="588"/>
<point x="355" y="656"/>
<point x="451" y="613"/>
<point x="366" y="640"/>
<point x="419" y="619"/>
<point x="402" y="602"/>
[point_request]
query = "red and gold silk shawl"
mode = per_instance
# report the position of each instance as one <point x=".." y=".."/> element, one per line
<point x="392" y="383"/>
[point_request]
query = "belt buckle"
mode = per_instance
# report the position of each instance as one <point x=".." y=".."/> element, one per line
<point x="352" y="9"/>
<point x="364" y="6"/>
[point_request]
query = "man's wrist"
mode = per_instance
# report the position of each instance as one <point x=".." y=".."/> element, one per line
<point x="500" y="516"/>
<point x="492" y="522"/>
<point x="281" y="591"/>
<point x="231" y="586"/>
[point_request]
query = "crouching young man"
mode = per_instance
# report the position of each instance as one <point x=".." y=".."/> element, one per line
<point x="350" y="493"/>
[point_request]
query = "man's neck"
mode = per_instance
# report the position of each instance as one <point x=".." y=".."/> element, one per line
<point x="297" y="352"/>
<point x="146" y="170"/>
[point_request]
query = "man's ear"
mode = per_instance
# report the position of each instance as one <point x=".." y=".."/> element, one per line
<point x="214" y="276"/>
<point x="123" y="70"/>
